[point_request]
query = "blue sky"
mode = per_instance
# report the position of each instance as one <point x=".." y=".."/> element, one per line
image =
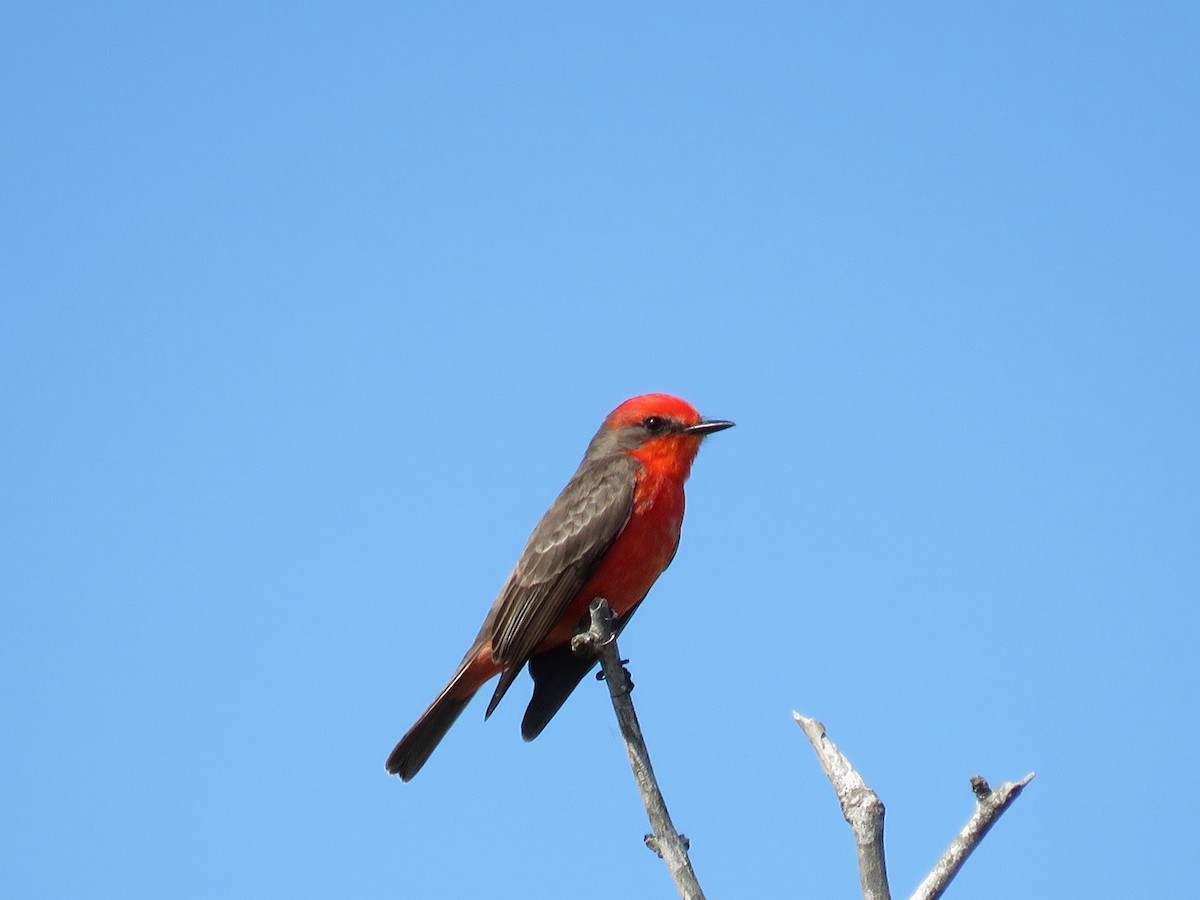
<point x="309" y="314"/>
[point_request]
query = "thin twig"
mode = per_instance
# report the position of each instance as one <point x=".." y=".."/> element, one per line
<point x="991" y="805"/>
<point x="860" y="805"/>
<point x="600" y="640"/>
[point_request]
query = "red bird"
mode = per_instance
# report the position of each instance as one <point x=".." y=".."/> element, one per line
<point x="611" y="533"/>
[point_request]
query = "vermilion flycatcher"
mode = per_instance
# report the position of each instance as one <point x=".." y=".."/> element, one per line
<point x="611" y="533"/>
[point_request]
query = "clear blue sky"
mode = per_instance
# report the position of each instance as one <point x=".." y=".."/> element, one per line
<point x="309" y="312"/>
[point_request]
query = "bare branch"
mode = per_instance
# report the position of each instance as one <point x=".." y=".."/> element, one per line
<point x="860" y="805"/>
<point x="991" y="805"/>
<point x="601" y="640"/>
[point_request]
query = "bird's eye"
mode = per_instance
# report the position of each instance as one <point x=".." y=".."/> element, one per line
<point x="654" y="424"/>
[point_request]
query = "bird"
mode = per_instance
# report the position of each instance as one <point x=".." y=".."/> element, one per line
<point x="610" y="533"/>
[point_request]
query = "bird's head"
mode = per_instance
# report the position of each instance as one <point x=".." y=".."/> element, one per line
<point x="661" y="431"/>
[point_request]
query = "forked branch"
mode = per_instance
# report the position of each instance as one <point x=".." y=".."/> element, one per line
<point x="864" y="811"/>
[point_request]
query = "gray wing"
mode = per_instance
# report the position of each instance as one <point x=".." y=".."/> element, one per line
<point x="562" y="553"/>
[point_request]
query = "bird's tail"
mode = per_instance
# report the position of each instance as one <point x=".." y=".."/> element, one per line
<point x="427" y="732"/>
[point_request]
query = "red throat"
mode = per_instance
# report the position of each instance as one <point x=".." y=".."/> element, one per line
<point x="670" y="456"/>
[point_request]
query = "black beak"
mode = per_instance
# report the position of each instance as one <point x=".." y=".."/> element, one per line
<point x="708" y="426"/>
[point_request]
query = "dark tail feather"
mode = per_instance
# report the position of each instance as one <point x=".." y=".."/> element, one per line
<point x="422" y="739"/>
<point x="556" y="673"/>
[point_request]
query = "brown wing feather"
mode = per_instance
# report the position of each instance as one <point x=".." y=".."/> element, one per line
<point x="562" y="553"/>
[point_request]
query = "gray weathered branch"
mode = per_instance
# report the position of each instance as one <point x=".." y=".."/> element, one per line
<point x="991" y="805"/>
<point x="860" y="805"/>
<point x="601" y="640"/>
